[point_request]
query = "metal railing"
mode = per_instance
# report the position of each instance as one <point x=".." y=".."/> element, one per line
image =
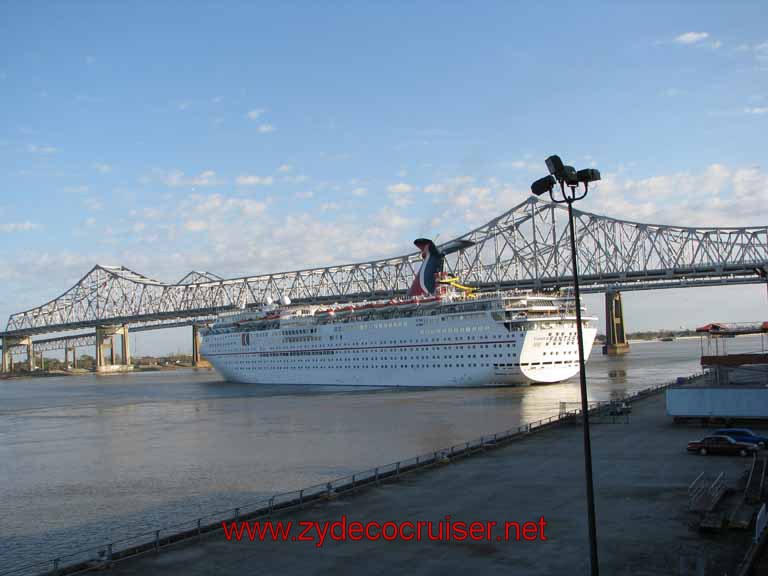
<point x="106" y="553"/>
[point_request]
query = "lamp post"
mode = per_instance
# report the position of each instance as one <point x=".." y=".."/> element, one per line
<point x="568" y="180"/>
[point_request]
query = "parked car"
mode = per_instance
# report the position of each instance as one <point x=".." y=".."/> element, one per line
<point x="721" y="445"/>
<point x="743" y="435"/>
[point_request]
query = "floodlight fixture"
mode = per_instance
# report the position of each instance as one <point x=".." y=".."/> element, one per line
<point x="588" y="175"/>
<point x="543" y="185"/>
<point x="554" y="165"/>
<point x="568" y="175"/>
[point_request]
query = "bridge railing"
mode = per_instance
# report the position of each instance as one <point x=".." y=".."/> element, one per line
<point x="102" y="555"/>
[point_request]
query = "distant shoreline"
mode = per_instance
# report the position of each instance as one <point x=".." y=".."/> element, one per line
<point x="81" y="372"/>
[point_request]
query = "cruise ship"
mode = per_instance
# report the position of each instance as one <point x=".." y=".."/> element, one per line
<point x="440" y="334"/>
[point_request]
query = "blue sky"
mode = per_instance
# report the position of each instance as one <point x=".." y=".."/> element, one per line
<point x="243" y="138"/>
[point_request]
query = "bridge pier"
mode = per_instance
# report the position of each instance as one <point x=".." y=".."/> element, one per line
<point x="615" y="337"/>
<point x="8" y="343"/>
<point x="105" y="337"/>
<point x="67" y="349"/>
<point x="197" y="360"/>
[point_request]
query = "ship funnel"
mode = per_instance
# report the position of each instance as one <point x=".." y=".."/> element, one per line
<point x="431" y="264"/>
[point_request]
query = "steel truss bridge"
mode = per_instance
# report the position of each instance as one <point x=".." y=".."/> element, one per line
<point x="527" y="247"/>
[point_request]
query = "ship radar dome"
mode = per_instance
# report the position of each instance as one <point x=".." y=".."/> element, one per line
<point x="268" y="300"/>
<point x="285" y="301"/>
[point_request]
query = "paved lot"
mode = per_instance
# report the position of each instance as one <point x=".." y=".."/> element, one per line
<point x="641" y="474"/>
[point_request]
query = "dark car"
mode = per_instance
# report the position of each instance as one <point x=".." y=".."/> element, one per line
<point x="721" y="445"/>
<point x="743" y="435"/>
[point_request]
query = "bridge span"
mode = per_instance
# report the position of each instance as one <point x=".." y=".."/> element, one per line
<point x="525" y="248"/>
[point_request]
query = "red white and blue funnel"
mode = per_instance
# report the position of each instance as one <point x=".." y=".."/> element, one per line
<point x="431" y="264"/>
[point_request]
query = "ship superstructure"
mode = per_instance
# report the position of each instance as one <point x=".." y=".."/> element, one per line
<point x="440" y="334"/>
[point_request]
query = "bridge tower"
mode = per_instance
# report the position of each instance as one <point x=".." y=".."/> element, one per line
<point x="105" y="337"/>
<point x="615" y="336"/>
<point x="197" y="359"/>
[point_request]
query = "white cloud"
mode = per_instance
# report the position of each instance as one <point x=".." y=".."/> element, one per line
<point x="305" y="195"/>
<point x="195" y="225"/>
<point x="250" y="180"/>
<point x="691" y="37"/>
<point x="184" y="105"/>
<point x="329" y="207"/>
<point x="103" y="168"/>
<point x="759" y="110"/>
<point x="400" y="188"/>
<point x="285" y="168"/>
<point x="400" y="194"/>
<point x="524" y="165"/>
<point x="761" y="52"/>
<point x="93" y="203"/>
<point x="266" y="128"/>
<point x="359" y="191"/>
<point x="35" y="149"/>
<point x="296" y="178"/>
<point x="718" y="195"/>
<point x="75" y="189"/>
<point x="255" y="114"/>
<point x="25" y="226"/>
<point x="177" y="179"/>
<point x="216" y="206"/>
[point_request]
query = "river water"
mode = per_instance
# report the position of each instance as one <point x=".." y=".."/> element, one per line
<point x="86" y="459"/>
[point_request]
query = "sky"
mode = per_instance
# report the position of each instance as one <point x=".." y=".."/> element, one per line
<point x="245" y="138"/>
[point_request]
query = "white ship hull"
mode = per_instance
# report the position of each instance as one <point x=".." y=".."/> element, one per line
<point x="456" y="349"/>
